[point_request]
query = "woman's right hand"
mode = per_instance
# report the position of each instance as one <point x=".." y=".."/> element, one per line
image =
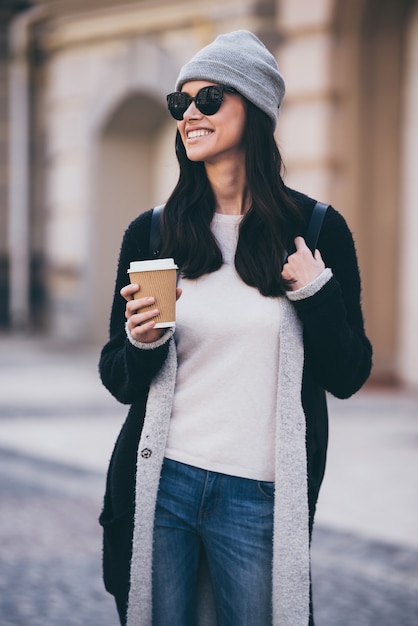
<point x="141" y="324"/>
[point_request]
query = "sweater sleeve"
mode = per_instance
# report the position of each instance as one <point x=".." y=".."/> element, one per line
<point x="126" y="369"/>
<point x="336" y="347"/>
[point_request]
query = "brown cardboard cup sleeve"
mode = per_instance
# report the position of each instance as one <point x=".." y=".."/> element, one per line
<point x="157" y="278"/>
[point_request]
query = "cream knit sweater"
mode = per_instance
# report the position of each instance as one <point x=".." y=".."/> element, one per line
<point x="227" y="339"/>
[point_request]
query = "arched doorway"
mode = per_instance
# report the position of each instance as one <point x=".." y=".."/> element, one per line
<point x="135" y="169"/>
<point x="368" y="74"/>
<point x="131" y="161"/>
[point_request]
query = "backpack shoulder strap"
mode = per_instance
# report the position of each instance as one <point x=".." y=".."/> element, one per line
<point x="154" y="236"/>
<point x="311" y="238"/>
<point x="315" y="225"/>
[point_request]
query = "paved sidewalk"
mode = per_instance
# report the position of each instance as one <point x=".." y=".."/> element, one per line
<point x="57" y="429"/>
<point x="371" y="481"/>
<point x="53" y="406"/>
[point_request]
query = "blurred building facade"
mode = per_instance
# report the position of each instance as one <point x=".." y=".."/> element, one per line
<point x="86" y="144"/>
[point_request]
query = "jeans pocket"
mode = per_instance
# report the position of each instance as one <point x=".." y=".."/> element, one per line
<point x="266" y="488"/>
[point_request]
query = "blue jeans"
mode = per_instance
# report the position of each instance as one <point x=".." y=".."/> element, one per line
<point x="231" y="520"/>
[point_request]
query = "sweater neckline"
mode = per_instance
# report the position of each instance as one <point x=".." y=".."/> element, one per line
<point x="226" y="218"/>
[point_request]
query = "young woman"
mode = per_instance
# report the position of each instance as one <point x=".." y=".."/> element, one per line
<point x="214" y="478"/>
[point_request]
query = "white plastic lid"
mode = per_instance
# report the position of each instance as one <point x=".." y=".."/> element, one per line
<point x="155" y="264"/>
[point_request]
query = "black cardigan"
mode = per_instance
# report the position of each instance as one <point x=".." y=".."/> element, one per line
<point x="337" y="359"/>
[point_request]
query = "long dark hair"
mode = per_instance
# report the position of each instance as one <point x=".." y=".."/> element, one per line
<point x="266" y="231"/>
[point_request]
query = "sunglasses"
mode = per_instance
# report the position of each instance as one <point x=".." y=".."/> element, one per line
<point x="208" y="100"/>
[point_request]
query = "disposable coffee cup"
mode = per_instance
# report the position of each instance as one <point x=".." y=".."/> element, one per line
<point x="157" y="278"/>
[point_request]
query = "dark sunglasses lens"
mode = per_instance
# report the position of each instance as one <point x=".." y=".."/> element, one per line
<point x="209" y="100"/>
<point x="178" y="103"/>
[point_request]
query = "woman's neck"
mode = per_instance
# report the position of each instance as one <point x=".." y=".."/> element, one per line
<point x="229" y="186"/>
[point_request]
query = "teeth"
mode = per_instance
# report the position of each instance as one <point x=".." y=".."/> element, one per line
<point x="198" y="133"/>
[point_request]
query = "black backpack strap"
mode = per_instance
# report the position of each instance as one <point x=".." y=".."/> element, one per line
<point x="154" y="236"/>
<point x="311" y="238"/>
<point x="315" y="225"/>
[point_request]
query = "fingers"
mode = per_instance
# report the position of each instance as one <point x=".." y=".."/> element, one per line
<point x="302" y="267"/>
<point x="318" y="256"/>
<point x="140" y="314"/>
<point x="146" y="333"/>
<point x="300" y="244"/>
<point x="128" y="291"/>
<point x="135" y="311"/>
<point x="134" y="305"/>
<point x="141" y="308"/>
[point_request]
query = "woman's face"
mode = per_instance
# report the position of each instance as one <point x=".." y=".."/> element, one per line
<point x="212" y="138"/>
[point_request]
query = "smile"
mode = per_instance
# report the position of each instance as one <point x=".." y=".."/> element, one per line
<point x="193" y="134"/>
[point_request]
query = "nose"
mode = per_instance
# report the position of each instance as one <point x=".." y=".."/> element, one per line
<point x="192" y="111"/>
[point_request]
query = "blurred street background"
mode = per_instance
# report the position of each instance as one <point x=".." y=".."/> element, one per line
<point x="87" y="144"/>
<point x="57" y="429"/>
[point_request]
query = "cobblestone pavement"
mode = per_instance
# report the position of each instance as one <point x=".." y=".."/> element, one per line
<point x="360" y="582"/>
<point x="50" y="545"/>
<point x="51" y="492"/>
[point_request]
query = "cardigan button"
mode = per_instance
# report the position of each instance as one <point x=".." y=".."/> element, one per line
<point x="146" y="453"/>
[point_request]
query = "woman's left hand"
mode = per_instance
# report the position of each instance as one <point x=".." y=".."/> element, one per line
<point x="301" y="268"/>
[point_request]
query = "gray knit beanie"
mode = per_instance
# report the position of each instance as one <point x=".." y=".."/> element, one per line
<point x="240" y="60"/>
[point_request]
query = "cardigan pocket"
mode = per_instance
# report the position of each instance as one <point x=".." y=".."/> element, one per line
<point x="117" y="551"/>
